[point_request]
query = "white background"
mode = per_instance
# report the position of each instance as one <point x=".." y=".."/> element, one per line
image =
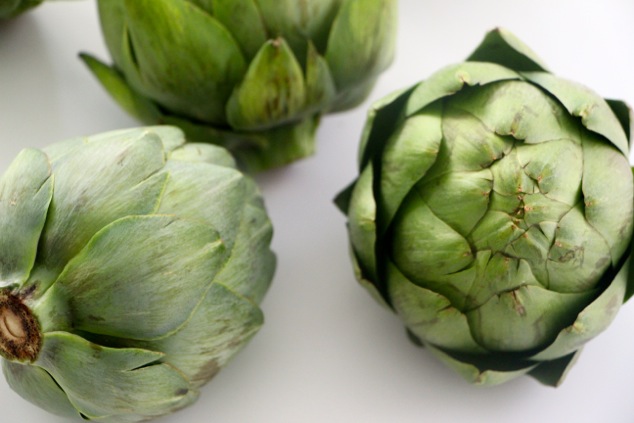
<point x="327" y="352"/>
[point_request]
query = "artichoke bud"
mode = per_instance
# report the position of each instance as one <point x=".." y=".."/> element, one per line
<point x="493" y="213"/>
<point x="261" y="72"/>
<point x="131" y="269"/>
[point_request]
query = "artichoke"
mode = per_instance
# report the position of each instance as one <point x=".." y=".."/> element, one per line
<point x="12" y="8"/>
<point x="251" y="75"/>
<point x="493" y="213"/>
<point x="132" y="266"/>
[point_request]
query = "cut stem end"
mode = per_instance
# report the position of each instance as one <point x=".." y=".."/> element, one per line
<point x="20" y="337"/>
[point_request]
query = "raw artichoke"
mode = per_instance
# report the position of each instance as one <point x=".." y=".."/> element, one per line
<point x="12" y="8"/>
<point x="132" y="266"/>
<point x="251" y="75"/>
<point x="493" y="213"/>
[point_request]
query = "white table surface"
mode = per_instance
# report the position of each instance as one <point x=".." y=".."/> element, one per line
<point x="327" y="352"/>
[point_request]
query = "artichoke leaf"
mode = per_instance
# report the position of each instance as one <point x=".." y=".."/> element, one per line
<point x="518" y="109"/>
<point x="115" y="84"/>
<point x="579" y="255"/>
<point x="112" y="21"/>
<point x="481" y="373"/>
<point x="361" y="40"/>
<point x="320" y="87"/>
<point x="212" y="195"/>
<point x="83" y="203"/>
<point x="82" y="369"/>
<point x="203" y="153"/>
<point x="423" y="245"/>
<point x="553" y="372"/>
<point x="373" y="287"/>
<point x="26" y="189"/>
<point x="590" y="321"/>
<point x="186" y="59"/>
<point x="362" y="224"/>
<point x="528" y="317"/>
<point x="383" y="118"/>
<point x="251" y="266"/>
<point x="497" y="275"/>
<point x="299" y="21"/>
<point x="556" y="167"/>
<point x="429" y="315"/>
<point x="243" y="20"/>
<point x="495" y="231"/>
<point x="450" y="80"/>
<point x="595" y="113"/>
<point x="625" y="115"/>
<point x="468" y="144"/>
<point x="272" y="92"/>
<point x="603" y="163"/>
<point x="502" y="47"/>
<point x="151" y="270"/>
<point x="408" y="155"/>
<point x="470" y="189"/>
<point x="38" y="387"/>
<point x="232" y="318"/>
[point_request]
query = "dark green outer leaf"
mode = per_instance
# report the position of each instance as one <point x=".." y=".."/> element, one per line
<point x="552" y="373"/>
<point x="624" y="114"/>
<point x="382" y="120"/>
<point x="502" y="47"/>
<point x="479" y="374"/>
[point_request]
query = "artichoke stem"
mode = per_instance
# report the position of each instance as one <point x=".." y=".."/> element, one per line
<point x="20" y="337"/>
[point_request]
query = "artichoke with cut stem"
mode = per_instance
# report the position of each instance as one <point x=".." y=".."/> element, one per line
<point x="132" y="266"/>
<point x="251" y="75"/>
<point x="493" y="213"/>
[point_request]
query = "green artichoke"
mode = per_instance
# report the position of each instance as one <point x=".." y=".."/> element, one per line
<point x="493" y="213"/>
<point x="11" y="8"/>
<point x="251" y="75"/>
<point x="132" y="266"/>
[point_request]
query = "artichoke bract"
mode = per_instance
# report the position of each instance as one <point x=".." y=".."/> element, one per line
<point x="132" y="266"/>
<point x="493" y="213"/>
<point x="12" y="8"/>
<point x="251" y="75"/>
